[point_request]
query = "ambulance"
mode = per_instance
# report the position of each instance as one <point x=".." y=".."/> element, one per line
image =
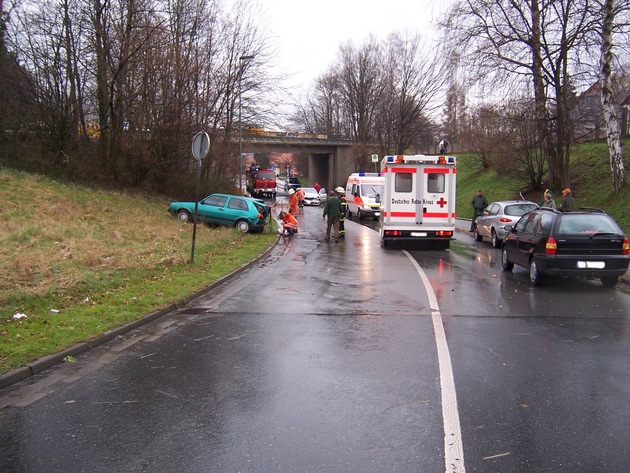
<point x="418" y="203"/>
<point x="363" y="194"/>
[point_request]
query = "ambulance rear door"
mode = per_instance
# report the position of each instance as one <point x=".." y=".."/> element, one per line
<point x="438" y="195"/>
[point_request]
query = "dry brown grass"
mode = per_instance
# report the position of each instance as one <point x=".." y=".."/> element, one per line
<point x="51" y="237"/>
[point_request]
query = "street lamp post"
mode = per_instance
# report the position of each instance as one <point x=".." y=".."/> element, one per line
<point x="240" y="122"/>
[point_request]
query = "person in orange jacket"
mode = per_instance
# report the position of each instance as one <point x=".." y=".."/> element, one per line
<point x="289" y="223"/>
<point x="301" y="195"/>
<point x="293" y="203"/>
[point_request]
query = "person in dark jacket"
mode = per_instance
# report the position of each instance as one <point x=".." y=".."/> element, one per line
<point x="568" y="202"/>
<point x="478" y="203"/>
<point x="332" y="210"/>
<point x="344" y="211"/>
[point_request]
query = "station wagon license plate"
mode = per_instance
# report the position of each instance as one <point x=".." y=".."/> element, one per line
<point x="591" y="264"/>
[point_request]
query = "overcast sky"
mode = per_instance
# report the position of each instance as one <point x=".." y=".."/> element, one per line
<point x="309" y="33"/>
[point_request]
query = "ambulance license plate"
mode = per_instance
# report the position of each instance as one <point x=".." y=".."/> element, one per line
<point x="591" y="264"/>
<point x="418" y="234"/>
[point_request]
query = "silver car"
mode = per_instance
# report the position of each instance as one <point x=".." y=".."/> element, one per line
<point x="499" y="214"/>
<point x="323" y="196"/>
<point x="311" y="197"/>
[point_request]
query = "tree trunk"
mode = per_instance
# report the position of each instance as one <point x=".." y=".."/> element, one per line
<point x="613" y="132"/>
<point x="101" y="86"/>
<point x="3" y="81"/>
<point x="540" y="98"/>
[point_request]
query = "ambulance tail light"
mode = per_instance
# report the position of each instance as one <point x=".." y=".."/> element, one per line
<point x="551" y="247"/>
<point x="445" y="233"/>
<point x="393" y="233"/>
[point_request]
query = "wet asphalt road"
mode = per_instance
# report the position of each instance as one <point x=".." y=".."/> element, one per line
<point x="322" y="358"/>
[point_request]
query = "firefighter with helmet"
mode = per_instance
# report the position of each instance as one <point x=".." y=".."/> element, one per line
<point x="344" y="211"/>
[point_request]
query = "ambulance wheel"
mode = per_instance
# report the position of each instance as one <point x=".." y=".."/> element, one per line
<point x="359" y="215"/>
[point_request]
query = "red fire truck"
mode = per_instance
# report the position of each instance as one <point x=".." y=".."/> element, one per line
<point x="261" y="182"/>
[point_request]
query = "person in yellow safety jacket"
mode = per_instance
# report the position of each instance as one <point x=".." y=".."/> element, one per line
<point x="344" y="211"/>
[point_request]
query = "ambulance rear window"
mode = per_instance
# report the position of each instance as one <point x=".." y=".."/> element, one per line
<point x="403" y="182"/>
<point x="435" y="182"/>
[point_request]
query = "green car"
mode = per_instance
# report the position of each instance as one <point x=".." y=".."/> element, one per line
<point x="244" y="213"/>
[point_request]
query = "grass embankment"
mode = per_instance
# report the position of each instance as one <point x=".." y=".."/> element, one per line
<point x="79" y="262"/>
<point x="591" y="183"/>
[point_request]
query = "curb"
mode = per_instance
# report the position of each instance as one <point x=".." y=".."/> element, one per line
<point x="48" y="361"/>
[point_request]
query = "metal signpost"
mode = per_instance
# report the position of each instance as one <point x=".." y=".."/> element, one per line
<point x="200" y="147"/>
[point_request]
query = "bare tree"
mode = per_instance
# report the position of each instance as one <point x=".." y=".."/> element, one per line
<point x="322" y="113"/>
<point x="610" y="114"/>
<point x="150" y="73"/>
<point x="535" y="40"/>
<point x="362" y="87"/>
<point x="413" y="80"/>
<point x="3" y="76"/>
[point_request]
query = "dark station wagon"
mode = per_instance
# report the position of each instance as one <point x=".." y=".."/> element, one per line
<point x="585" y="243"/>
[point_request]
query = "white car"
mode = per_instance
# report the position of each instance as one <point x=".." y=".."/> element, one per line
<point x="311" y="197"/>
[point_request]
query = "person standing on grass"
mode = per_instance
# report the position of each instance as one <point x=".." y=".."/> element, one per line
<point x="568" y="202"/>
<point x="332" y="210"/>
<point x="549" y="202"/>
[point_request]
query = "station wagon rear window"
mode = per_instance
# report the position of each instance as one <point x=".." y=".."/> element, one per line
<point x="586" y="224"/>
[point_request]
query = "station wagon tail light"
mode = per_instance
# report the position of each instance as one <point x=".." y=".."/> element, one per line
<point x="551" y="246"/>
<point x="625" y="248"/>
<point x="505" y="220"/>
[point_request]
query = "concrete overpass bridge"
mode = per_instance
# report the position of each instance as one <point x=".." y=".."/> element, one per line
<point x="329" y="160"/>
